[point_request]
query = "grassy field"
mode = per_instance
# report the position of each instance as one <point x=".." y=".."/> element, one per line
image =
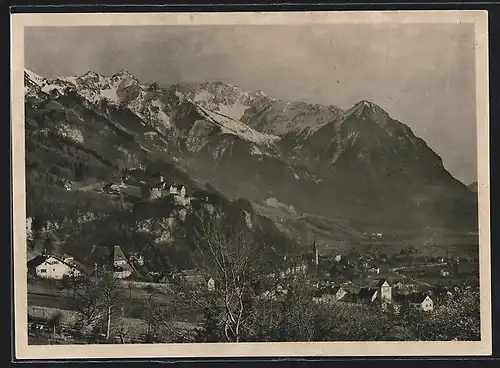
<point x="43" y="294"/>
<point x="135" y="327"/>
<point x="462" y="273"/>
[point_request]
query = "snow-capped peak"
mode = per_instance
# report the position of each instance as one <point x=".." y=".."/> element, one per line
<point x="44" y="84"/>
<point x="34" y="77"/>
<point x="90" y="74"/>
<point x="123" y="73"/>
<point x="228" y="99"/>
<point x="367" y="104"/>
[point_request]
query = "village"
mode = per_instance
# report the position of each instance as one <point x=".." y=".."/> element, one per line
<point x="376" y="289"/>
<point x="355" y="278"/>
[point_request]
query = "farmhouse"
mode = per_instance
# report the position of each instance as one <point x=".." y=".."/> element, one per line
<point x="55" y="267"/>
<point x="419" y="301"/>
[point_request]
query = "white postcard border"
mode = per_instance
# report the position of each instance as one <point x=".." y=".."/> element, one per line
<point x="295" y="349"/>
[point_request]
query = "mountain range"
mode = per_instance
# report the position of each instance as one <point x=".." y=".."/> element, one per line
<point x="307" y="167"/>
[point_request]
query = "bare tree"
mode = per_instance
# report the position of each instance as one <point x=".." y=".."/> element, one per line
<point x="157" y="320"/>
<point x="230" y="258"/>
<point x="87" y="304"/>
<point x="123" y="328"/>
<point x="110" y="298"/>
<point x="95" y="301"/>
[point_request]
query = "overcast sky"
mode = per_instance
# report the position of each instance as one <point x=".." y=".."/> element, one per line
<point x="422" y="75"/>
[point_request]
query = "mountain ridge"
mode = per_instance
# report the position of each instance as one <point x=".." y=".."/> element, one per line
<point x="348" y="162"/>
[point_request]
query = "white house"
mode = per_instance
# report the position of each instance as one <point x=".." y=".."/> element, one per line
<point x="421" y="301"/>
<point x="338" y="258"/>
<point x="54" y="267"/>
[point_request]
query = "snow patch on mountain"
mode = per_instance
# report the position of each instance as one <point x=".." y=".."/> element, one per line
<point x="69" y="132"/>
<point x="284" y="117"/>
<point x="35" y="78"/>
<point x="234" y="110"/>
<point x="231" y="126"/>
<point x="34" y="84"/>
<point x="72" y="80"/>
<point x="256" y="151"/>
<point x="110" y="94"/>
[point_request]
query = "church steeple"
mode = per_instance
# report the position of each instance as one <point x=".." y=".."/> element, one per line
<point x="315" y="250"/>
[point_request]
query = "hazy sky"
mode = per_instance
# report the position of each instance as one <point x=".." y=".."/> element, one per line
<point x="422" y="75"/>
